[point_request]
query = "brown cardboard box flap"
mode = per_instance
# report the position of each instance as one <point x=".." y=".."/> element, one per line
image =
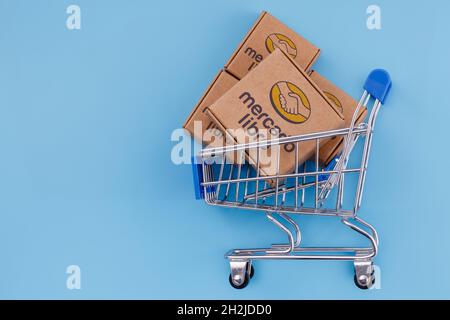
<point x="221" y="84"/>
<point x="223" y="81"/>
<point x="267" y="34"/>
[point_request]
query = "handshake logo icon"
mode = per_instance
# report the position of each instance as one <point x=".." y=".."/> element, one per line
<point x="290" y="102"/>
<point x="281" y="41"/>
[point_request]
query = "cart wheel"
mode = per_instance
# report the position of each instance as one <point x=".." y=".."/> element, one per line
<point x="241" y="273"/>
<point x="241" y="286"/>
<point x="367" y="285"/>
<point x="252" y="272"/>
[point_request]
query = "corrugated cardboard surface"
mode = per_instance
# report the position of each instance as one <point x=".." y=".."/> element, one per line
<point x="346" y="104"/>
<point x="266" y="34"/>
<point x="220" y="85"/>
<point x="230" y="110"/>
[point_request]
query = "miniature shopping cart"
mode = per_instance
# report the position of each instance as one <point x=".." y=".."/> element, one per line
<point x="309" y="190"/>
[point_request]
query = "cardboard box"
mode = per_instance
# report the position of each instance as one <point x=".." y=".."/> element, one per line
<point x="286" y="103"/>
<point x="198" y="122"/>
<point x="266" y="34"/>
<point x="346" y="105"/>
<point x="272" y="30"/>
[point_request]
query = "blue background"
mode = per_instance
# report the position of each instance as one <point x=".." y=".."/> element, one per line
<point x="86" y="176"/>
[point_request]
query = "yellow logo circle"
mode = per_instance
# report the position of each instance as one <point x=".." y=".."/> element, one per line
<point x="290" y="102"/>
<point x="335" y="101"/>
<point x="281" y="41"/>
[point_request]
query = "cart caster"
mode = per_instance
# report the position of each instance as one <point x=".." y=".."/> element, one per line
<point x="363" y="283"/>
<point x="239" y="286"/>
<point x="241" y="273"/>
<point x="364" y="274"/>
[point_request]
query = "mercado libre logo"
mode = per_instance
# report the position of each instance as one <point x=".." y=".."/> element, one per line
<point x="290" y="102"/>
<point x="278" y="40"/>
<point x="335" y="101"/>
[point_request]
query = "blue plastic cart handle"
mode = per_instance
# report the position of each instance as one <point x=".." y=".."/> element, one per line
<point x="197" y="173"/>
<point x="329" y="167"/>
<point x="378" y="84"/>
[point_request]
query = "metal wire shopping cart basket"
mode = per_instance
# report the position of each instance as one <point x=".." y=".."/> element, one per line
<point x="281" y="195"/>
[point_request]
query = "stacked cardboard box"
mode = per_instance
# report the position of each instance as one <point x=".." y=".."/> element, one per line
<point x="268" y="84"/>
<point x="254" y="105"/>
